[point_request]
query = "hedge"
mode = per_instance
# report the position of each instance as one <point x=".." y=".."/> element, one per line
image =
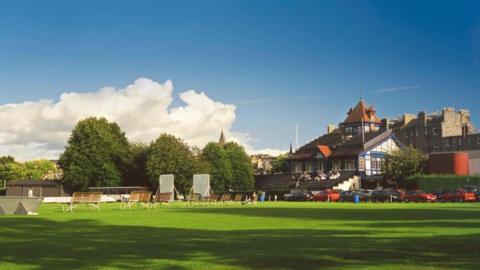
<point x="436" y="182"/>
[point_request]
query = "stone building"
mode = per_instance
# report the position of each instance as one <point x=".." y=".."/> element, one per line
<point x="445" y="131"/>
<point x="262" y="163"/>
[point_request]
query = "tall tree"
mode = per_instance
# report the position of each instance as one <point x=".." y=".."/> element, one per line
<point x="221" y="168"/>
<point x="95" y="156"/>
<point x="136" y="173"/>
<point x="170" y="155"/>
<point x="241" y="166"/>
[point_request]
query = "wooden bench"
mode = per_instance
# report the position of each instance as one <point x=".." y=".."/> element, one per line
<point x="162" y="198"/>
<point x="91" y="199"/>
<point x="194" y="197"/>
<point x="139" y="197"/>
<point x="238" y="198"/>
<point x="226" y="198"/>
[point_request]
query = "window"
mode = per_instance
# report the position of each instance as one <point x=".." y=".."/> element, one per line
<point x="434" y="144"/>
<point x="376" y="164"/>
<point x="447" y="142"/>
<point x="309" y="167"/>
<point x="460" y="141"/>
<point x="350" y="165"/>
<point x="416" y="132"/>
<point x="426" y="130"/>
<point x="337" y="166"/>
<point x="434" y="131"/>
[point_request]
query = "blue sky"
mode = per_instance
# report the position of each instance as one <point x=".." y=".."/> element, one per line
<point x="282" y="63"/>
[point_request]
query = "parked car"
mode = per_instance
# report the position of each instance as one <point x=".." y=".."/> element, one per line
<point x="364" y="195"/>
<point x="458" y="195"/>
<point x="327" y="196"/>
<point x="419" y="196"/>
<point x="386" y="196"/>
<point x="472" y="188"/>
<point x="298" y="196"/>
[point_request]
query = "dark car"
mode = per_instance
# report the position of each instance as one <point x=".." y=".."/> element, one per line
<point x="458" y="195"/>
<point x="419" y="196"/>
<point x="298" y="196"/>
<point x="386" y="196"/>
<point x="364" y="195"/>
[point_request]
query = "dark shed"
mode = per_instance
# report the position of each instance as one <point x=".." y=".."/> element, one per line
<point x="40" y="188"/>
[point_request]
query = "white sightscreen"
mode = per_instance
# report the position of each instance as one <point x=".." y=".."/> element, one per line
<point x="201" y="184"/>
<point x="166" y="184"/>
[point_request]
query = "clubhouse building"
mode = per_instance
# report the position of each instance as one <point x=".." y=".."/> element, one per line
<point x="358" y="146"/>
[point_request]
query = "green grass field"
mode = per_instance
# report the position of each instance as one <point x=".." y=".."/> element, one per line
<point x="265" y="236"/>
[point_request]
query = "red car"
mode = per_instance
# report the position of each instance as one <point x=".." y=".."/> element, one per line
<point x="419" y="196"/>
<point x="459" y="195"/>
<point x="327" y="196"/>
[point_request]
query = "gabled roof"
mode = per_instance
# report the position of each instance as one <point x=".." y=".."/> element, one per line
<point x="340" y="146"/>
<point x="324" y="150"/>
<point x="362" y="112"/>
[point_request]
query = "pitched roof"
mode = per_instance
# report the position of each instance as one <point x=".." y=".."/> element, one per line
<point x="335" y="145"/>
<point x="364" y="113"/>
<point x="324" y="150"/>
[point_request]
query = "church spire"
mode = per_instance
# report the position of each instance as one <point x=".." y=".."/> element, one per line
<point x="291" y="150"/>
<point x="222" y="140"/>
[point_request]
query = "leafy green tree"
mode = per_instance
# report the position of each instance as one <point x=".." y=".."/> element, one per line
<point x="405" y="162"/>
<point x="136" y="173"/>
<point x="96" y="155"/>
<point x="221" y="168"/>
<point x="10" y="169"/>
<point x="170" y="155"/>
<point x="280" y="164"/>
<point x="38" y="169"/>
<point x="34" y="170"/>
<point x="241" y="167"/>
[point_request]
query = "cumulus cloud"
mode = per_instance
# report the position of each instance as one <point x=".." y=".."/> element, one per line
<point x="40" y="129"/>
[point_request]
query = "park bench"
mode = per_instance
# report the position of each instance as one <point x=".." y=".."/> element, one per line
<point x="91" y="199"/>
<point x="138" y="197"/>
<point x="226" y="198"/>
<point x="238" y="198"/>
<point x="162" y="198"/>
<point x="193" y="197"/>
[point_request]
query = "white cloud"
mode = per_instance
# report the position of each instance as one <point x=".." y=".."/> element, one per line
<point x="40" y="129"/>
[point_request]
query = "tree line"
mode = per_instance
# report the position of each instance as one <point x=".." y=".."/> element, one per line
<point x="10" y="169"/>
<point x="99" y="154"/>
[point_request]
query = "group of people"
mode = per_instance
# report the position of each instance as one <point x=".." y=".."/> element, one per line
<point x="322" y="176"/>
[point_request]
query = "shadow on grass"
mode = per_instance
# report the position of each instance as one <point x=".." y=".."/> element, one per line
<point x="346" y="214"/>
<point x="88" y="244"/>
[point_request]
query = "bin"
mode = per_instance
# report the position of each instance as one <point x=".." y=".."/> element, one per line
<point x="356" y="198"/>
